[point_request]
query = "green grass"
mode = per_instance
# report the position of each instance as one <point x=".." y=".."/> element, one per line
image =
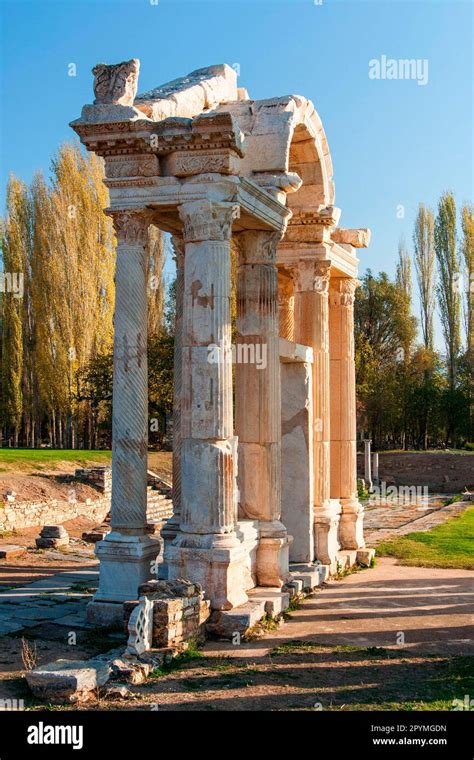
<point x="50" y="457"/>
<point x="449" y="545"/>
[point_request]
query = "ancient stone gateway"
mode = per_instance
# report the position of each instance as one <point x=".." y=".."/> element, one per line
<point x="274" y="482"/>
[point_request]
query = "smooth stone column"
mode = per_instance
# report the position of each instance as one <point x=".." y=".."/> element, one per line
<point x="367" y="463"/>
<point x="206" y="548"/>
<point x="258" y="402"/>
<point x="312" y="329"/>
<point x="375" y="467"/>
<point x="343" y="411"/>
<point x="128" y="554"/>
<point x="171" y="527"/>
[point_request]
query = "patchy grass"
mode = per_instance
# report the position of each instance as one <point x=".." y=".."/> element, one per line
<point x="449" y="545"/>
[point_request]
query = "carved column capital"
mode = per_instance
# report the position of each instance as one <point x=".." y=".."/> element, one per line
<point x="131" y="227"/>
<point x="205" y="220"/>
<point x="342" y="291"/>
<point x="312" y="275"/>
<point x="258" y="246"/>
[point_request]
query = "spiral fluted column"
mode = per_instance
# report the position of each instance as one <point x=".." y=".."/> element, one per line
<point x="128" y="554"/>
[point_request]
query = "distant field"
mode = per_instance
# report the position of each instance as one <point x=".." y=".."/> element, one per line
<point x="27" y="461"/>
<point x="450" y="544"/>
<point x="50" y="458"/>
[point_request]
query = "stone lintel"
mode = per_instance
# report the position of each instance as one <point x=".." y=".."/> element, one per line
<point x="357" y="238"/>
<point x="291" y="352"/>
<point x="343" y="261"/>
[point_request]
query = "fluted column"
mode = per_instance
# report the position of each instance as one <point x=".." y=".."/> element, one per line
<point x="127" y="554"/>
<point x="312" y="329"/>
<point x="258" y="401"/>
<point x="343" y="411"/>
<point x="171" y="527"/>
<point x="206" y="548"/>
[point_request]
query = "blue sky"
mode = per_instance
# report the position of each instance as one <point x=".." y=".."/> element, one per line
<point x="394" y="143"/>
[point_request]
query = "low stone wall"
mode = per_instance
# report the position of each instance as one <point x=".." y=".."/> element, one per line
<point x="100" y="477"/>
<point x="27" y="514"/>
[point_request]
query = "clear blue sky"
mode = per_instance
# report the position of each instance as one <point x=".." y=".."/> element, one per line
<point x="392" y="142"/>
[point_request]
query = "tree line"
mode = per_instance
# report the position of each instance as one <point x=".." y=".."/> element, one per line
<point x="56" y="321"/>
<point x="56" y="309"/>
<point x="409" y="393"/>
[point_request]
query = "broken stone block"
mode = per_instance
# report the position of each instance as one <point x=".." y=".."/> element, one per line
<point x="52" y="537"/>
<point x="365" y="556"/>
<point x="68" y="680"/>
<point x="129" y="670"/>
<point x="54" y="531"/>
<point x="51" y="543"/>
<point x="8" y="551"/>
<point x="140" y="627"/>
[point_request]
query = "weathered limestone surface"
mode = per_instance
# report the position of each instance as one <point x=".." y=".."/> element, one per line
<point x="202" y="161"/>
<point x="312" y="329"/>
<point x="342" y="412"/>
<point x="258" y="403"/>
<point x="297" y="458"/>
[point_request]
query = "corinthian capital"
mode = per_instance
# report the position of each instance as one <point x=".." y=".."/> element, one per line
<point x="131" y="227"/>
<point x="343" y="291"/>
<point x="312" y="275"/>
<point x="205" y="220"/>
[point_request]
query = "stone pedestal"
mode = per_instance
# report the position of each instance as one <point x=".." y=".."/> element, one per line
<point x="128" y="554"/>
<point x="206" y="548"/>
<point x="258" y="402"/>
<point x="343" y="412"/>
<point x="312" y="329"/>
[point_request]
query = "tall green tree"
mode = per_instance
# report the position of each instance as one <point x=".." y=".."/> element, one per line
<point x="449" y="297"/>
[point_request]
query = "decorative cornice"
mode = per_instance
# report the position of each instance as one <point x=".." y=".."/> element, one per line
<point x="205" y="220"/>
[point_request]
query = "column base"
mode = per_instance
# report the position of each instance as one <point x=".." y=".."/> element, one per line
<point x="351" y="526"/>
<point x="326" y="531"/>
<point x="217" y="561"/>
<point x="169" y="532"/>
<point x="273" y="554"/>
<point x="125" y="563"/>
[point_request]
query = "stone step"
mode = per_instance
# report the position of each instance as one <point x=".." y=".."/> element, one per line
<point x="276" y="601"/>
<point x="345" y="558"/>
<point x="311" y="575"/>
<point x="227" y="623"/>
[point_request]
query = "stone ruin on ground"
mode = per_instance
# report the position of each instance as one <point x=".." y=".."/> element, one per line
<point x="266" y="492"/>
